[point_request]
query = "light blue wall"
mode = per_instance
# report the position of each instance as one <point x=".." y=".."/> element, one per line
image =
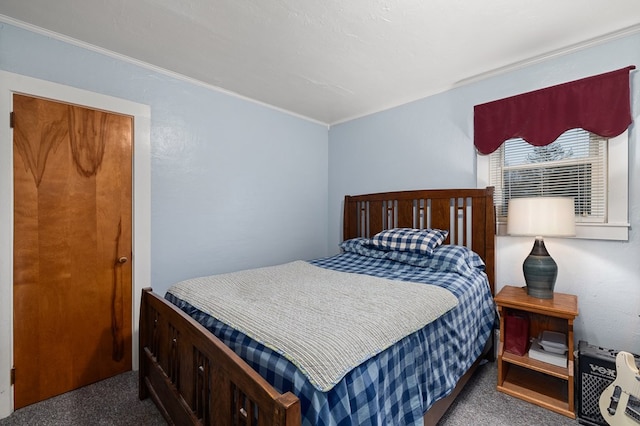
<point x="234" y="184"/>
<point x="429" y="144"/>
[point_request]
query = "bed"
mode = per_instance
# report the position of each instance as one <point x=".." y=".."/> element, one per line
<point x="200" y="370"/>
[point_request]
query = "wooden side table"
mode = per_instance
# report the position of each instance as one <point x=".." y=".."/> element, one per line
<point x="538" y="382"/>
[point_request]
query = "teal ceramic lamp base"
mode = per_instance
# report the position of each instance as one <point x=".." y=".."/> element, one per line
<point x="540" y="271"/>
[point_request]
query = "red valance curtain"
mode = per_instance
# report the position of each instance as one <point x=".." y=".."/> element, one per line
<point x="600" y="104"/>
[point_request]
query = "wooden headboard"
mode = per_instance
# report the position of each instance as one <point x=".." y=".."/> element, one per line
<point x="468" y="215"/>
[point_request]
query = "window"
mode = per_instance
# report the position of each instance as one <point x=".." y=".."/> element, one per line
<point x="593" y="169"/>
<point x="579" y="164"/>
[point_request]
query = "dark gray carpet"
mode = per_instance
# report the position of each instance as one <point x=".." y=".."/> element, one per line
<point x="115" y="402"/>
<point x="481" y="404"/>
<point x="112" y="402"/>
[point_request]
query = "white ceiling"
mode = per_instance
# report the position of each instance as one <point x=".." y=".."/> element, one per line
<point x="331" y="60"/>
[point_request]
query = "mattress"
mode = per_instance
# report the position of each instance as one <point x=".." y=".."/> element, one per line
<point x="398" y="385"/>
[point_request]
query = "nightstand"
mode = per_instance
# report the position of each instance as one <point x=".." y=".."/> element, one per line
<point x="538" y="382"/>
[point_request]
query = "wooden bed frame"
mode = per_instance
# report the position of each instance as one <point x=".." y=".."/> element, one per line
<point x="194" y="378"/>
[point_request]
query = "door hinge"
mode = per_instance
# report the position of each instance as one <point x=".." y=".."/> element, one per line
<point x="11" y="119"/>
<point x="13" y="376"/>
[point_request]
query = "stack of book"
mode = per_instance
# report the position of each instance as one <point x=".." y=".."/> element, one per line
<point x="549" y="347"/>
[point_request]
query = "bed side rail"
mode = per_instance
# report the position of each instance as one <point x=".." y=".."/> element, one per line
<point x="194" y="378"/>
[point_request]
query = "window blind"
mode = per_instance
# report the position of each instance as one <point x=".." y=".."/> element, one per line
<point x="574" y="165"/>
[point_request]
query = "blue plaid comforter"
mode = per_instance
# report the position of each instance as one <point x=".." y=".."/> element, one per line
<point x="397" y="386"/>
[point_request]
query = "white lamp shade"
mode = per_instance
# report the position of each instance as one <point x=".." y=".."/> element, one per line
<point x="542" y="216"/>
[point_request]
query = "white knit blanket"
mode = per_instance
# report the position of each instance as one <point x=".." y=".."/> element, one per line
<point x="325" y="322"/>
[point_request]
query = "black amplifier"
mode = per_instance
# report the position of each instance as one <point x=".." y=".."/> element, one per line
<point x="596" y="370"/>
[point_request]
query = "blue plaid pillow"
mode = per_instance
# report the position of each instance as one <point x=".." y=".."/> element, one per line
<point x="408" y="239"/>
<point x="362" y="246"/>
<point x="446" y="258"/>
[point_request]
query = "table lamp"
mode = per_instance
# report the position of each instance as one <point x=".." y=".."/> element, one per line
<point x="541" y="217"/>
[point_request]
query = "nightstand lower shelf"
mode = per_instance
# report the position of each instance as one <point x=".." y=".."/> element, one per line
<point x="543" y="390"/>
<point x="543" y="367"/>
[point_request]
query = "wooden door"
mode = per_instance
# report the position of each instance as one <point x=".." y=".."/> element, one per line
<point x="72" y="246"/>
